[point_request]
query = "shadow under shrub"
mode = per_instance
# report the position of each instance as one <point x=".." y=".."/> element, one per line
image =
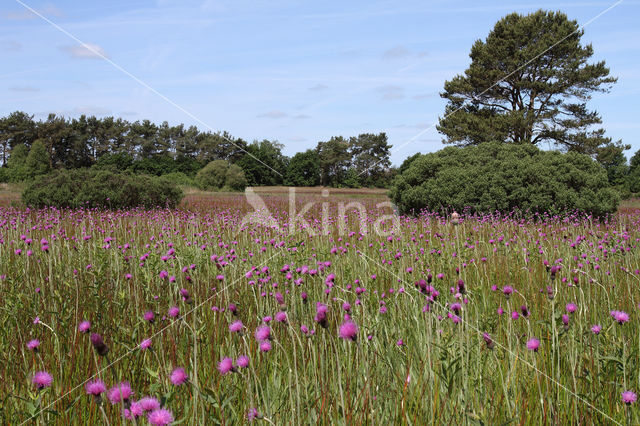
<point x="499" y="176"/>
<point x="100" y="188"/>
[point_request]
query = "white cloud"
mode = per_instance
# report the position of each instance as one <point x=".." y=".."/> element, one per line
<point x="85" y="51"/>
<point x="391" y="92"/>
<point x="318" y="87"/>
<point x="24" y="14"/>
<point x="24" y="89"/>
<point x="10" y="45"/>
<point x="396" y="53"/>
<point x="273" y="114"/>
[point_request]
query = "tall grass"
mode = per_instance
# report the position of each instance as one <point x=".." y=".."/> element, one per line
<point x="417" y="358"/>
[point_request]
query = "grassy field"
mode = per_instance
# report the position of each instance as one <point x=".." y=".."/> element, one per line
<point x="372" y="318"/>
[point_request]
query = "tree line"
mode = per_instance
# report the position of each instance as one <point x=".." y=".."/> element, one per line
<point x="29" y="148"/>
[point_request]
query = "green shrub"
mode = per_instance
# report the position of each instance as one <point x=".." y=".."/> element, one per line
<point x="4" y="174"/>
<point x="97" y="187"/>
<point x="179" y="178"/>
<point x="220" y="174"/>
<point x="498" y="176"/>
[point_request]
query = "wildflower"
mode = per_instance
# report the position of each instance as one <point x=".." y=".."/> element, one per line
<point x="84" y="327"/>
<point x="120" y="393"/>
<point x="281" y="316"/>
<point x="263" y="333"/>
<point x="507" y="290"/>
<point x="629" y="397"/>
<point x="145" y="344"/>
<point x="96" y="388"/>
<point x="348" y="330"/>
<point x="456" y="307"/>
<point x="148" y="403"/>
<point x="525" y="311"/>
<point x="33" y="345"/>
<point x="565" y="320"/>
<point x="488" y="340"/>
<point x="321" y="315"/>
<point x="596" y="329"/>
<point x="571" y="307"/>
<point x="226" y="365"/>
<point x="149" y="316"/>
<point x="533" y="344"/>
<point x="236" y="326"/>
<point x="178" y="376"/>
<point x="515" y="315"/>
<point x="265" y="346"/>
<point x="243" y="361"/>
<point x="160" y="417"/>
<point x="233" y="308"/>
<point x="174" y="311"/>
<point x="620" y="316"/>
<point x="253" y="414"/>
<point x="42" y="379"/>
<point x="98" y="344"/>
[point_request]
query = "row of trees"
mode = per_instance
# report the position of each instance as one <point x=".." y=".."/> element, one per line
<point x="144" y="147"/>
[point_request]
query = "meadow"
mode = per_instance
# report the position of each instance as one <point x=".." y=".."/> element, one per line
<point x="193" y="316"/>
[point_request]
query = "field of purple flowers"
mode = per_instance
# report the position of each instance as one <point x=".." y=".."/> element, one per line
<point x="189" y="316"/>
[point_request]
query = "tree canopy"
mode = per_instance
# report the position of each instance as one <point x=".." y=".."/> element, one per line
<point x="528" y="82"/>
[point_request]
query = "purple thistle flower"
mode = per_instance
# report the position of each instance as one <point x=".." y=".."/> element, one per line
<point x="99" y="345"/>
<point x="265" y="346"/>
<point x="456" y="307"/>
<point x="33" y="345"/>
<point x="226" y="365"/>
<point x="42" y="379"/>
<point x="488" y="340"/>
<point x="174" y="311"/>
<point x="84" y="327"/>
<point x="507" y="290"/>
<point x="120" y="393"/>
<point x="571" y="307"/>
<point x="565" y="320"/>
<point x="95" y="388"/>
<point x="149" y="316"/>
<point x="160" y="417"/>
<point x="281" y="316"/>
<point x="148" y="403"/>
<point x="629" y="397"/>
<point x="145" y="344"/>
<point x="533" y="344"/>
<point x="620" y="316"/>
<point x="179" y="376"/>
<point x="236" y="326"/>
<point x="525" y="311"/>
<point x="243" y="361"/>
<point x="253" y="414"/>
<point x="263" y="333"/>
<point x="596" y="329"/>
<point x="348" y="331"/>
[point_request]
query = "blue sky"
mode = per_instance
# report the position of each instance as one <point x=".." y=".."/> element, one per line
<point x="296" y="72"/>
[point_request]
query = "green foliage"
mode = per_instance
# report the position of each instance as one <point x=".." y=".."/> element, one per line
<point x="219" y="174"/>
<point x="180" y="178"/>
<point x="97" y="187"/>
<point x="335" y="159"/>
<point x="541" y="92"/>
<point x="304" y="169"/>
<point x="17" y="164"/>
<point x="37" y="161"/>
<point x="119" y="161"/>
<point x="4" y="174"/>
<point x="263" y="163"/>
<point x="496" y="176"/>
<point x="369" y="158"/>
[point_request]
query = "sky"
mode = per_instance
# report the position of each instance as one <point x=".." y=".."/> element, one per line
<point x="293" y="71"/>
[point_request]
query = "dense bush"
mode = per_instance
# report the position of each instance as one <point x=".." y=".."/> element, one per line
<point x="180" y="178"/>
<point x="100" y="188"/>
<point x="219" y="174"/>
<point x="499" y="176"/>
